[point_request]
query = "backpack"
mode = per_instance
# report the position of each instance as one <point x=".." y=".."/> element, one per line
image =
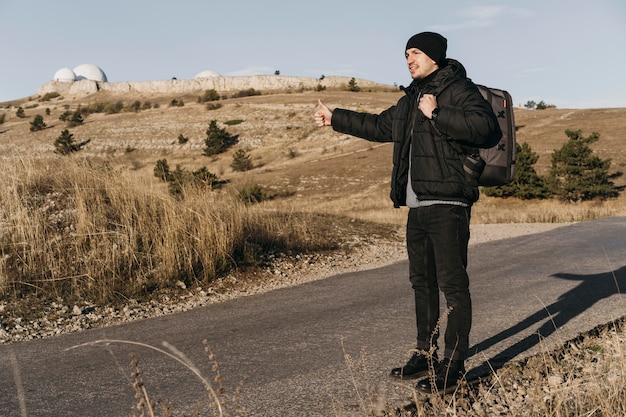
<point x="499" y="160"/>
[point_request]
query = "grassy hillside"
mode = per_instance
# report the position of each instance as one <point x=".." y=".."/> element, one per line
<point x="304" y="167"/>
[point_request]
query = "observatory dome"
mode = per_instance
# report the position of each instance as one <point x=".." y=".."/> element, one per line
<point x="207" y="74"/>
<point x="89" y="72"/>
<point x="64" y="75"/>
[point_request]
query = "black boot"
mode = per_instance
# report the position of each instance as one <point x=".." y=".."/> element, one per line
<point x="448" y="374"/>
<point x="417" y="366"/>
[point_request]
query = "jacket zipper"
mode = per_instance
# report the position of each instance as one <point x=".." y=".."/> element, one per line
<point x="439" y="143"/>
<point x="414" y="116"/>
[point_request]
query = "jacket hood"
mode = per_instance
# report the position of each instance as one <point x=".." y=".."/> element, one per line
<point x="453" y="70"/>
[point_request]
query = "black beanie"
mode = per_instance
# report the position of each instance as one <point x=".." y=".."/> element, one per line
<point x="432" y="44"/>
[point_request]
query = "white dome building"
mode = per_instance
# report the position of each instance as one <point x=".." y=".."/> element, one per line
<point x="207" y="74"/>
<point x="90" y="72"/>
<point x="64" y="75"/>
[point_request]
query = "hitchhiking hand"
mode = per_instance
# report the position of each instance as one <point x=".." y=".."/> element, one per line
<point x="323" y="115"/>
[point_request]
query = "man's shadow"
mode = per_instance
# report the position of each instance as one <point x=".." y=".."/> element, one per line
<point x="592" y="288"/>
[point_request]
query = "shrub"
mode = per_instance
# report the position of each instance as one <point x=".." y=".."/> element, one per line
<point x="37" y="123"/>
<point x="543" y="105"/>
<point x="181" y="179"/>
<point x="117" y="107"/>
<point x="112" y="108"/>
<point x="101" y="108"/>
<point x="20" y="113"/>
<point x="209" y="95"/>
<point x="136" y="106"/>
<point x="182" y="139"/>
<point x="2" y="118"/>
<point x="75" y="120"/>
<point x="241" y="161"/>
<point x="213" y="106"/>
<point x="252" y="194"/>
<point x="65" y="116"/>
<point x="49" y="96"/>
<point x="247" y="93"/>
<point x="177" y="103"/>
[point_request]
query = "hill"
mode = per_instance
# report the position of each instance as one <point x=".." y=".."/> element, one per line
<point x="295" y="162"/>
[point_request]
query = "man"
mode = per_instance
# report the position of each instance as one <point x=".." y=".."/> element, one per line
<point x="441" y="118"/>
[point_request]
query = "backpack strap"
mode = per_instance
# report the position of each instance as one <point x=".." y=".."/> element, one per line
<point x="473" y="164"/>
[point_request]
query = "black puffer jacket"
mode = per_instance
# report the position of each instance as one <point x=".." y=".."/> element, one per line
<point x="465" y="122"/>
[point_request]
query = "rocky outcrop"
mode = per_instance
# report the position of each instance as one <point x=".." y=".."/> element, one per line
<point x="220" y="84"/>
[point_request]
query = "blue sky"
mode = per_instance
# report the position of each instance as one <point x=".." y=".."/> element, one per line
<point x="565" y="52"/>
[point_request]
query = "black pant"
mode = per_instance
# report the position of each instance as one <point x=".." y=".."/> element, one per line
<point x="437" y="238"/>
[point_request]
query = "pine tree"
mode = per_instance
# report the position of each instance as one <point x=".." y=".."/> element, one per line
<point x="204" y="177"/>
<point x="65" y="143"/>
<point x="162" y="170"/>
<point x="526" y="184"/>
<point x="75" y="120"/>
<point x="241" y="161"/>
<point x="217" y="139"/>
<point x="353" y="86"/>
<point x="576" y="174"/>
<point x="65" y="116"/>
<point x="37" y="123"/>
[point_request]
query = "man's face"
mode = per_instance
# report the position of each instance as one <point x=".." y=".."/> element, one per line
<point x="420" y="65"/>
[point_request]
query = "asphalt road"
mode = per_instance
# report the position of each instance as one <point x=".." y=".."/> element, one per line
<point x="283" y="353"/>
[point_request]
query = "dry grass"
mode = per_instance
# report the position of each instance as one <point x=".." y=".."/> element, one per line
<point x="78" y="229"/>
<point x="585" y="377"/>
<point x="492" y="210"/>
